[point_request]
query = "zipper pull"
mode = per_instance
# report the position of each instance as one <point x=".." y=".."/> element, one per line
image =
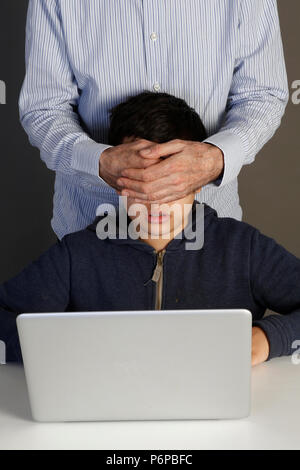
<point x="157" y="273"/>
<point x="158" y="267"/>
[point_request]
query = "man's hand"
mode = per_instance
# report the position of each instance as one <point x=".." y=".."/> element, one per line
<point x="127" y="155"/>
<point x="190" y="166"/>
<point x="260" y="346"/>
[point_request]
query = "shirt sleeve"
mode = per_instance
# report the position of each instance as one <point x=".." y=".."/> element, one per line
<point x="275" y="284"/>
<point x="259" y="90"/>
<point x="43" y="286"/>
<point x="49" y="97"/>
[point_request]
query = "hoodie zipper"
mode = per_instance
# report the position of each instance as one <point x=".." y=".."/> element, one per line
<point x="158" y="278"/>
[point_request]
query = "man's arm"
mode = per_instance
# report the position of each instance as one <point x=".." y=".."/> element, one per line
<point x="255" y="106"/>
<point x="275" y="284"/>
<point x="49" y="93"/>
<point x="259" y="90"/>
<point x="41" y="287"/>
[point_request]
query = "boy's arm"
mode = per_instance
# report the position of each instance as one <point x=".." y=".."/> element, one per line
<point x="275" y="284"/>
<point x="43" y="286"/>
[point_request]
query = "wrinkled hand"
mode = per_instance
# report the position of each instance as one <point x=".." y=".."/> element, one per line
<point x="260" y="346"/>
<point x="115" y="159"/>
<point x="190" y="166"/>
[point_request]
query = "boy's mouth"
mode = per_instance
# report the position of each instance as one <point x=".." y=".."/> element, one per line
<point x="158" y="218"/>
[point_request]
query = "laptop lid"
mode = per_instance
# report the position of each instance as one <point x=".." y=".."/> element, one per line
<point x="137" y="365"/>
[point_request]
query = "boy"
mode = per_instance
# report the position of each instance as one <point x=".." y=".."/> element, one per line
<point x="237" y="267"/>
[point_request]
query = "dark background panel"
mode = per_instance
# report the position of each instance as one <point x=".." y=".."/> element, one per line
<point x="269" y="188"/>
<point x="26" y="185"/>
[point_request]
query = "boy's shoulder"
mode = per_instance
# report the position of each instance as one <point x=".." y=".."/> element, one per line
<point x="237" y="232"/>
<point x="228" y="226"/>
<point x="85" y="238"/>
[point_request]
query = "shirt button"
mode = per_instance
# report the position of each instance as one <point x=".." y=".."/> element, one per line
<point x="156" y="86"/>
<point x="153" y="36"/>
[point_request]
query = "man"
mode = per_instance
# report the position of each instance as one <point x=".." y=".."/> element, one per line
<point x="237" y="267"/>
<point x="224" y="58"/>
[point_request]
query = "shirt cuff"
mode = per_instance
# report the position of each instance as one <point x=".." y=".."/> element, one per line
<point x="277" y="333"/>
<point x="86" y="157"/>
<point x="232" y="148"/>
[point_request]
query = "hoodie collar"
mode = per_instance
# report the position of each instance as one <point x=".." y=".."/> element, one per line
<point x="122" y="237"/>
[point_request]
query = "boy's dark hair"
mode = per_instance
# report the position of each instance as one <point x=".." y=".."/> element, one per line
<point x="158" y="117"/>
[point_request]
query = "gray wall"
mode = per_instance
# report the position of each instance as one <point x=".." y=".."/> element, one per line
<point x="269" y="189"/>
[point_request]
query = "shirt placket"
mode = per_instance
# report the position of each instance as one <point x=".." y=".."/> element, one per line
<point x="155" y="43"/>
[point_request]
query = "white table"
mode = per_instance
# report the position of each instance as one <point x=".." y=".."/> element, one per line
<point x="274" y="422"/>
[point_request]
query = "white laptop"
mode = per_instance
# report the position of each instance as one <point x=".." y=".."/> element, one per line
<point x="137" y="365"/>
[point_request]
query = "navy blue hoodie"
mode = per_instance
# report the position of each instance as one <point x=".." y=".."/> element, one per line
<point x="237" y="267"/>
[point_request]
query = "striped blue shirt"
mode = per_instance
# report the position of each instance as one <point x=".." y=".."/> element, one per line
<point x="224" y="57"/>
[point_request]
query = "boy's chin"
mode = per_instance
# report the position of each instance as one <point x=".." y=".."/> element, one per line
<point x="158" y="231"/>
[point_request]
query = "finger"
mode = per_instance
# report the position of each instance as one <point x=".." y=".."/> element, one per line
<point x="165" y="195"/>
<point x="162" y="200"/>
<point x="137" y="186"/>
<point x="133" y="173"/>
<point x="158" y="170"/>
<point x="150" y="187"/>
<point x="142" y="197"/>
<point x="163" y="150"/>
<point x="147" y="162"/>
<point x="135" y="161"/>
<point x="139" y="144"/>
<point x="142" y="144"/>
